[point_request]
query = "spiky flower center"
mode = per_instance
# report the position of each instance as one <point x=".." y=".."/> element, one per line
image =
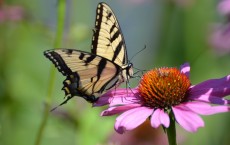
<point x="163" y="87"/>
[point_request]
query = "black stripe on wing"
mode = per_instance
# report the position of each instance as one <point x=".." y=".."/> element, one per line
<point x="89" y="59"/>
<point x="101" y="67"/>
<point x="58" y="61"/>
<point x="117" y="51"/>
<point x="115" y="77"/>
<point x="98" y="21"/>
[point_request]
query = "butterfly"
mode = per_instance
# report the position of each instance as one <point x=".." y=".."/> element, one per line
<point x="88" y="75"/>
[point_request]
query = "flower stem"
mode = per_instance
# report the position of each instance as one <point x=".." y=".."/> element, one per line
<point x="171" y="131"/>
<point x="58" y="39"/>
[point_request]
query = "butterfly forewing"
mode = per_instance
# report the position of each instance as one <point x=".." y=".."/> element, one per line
<point x="108" y="40"/>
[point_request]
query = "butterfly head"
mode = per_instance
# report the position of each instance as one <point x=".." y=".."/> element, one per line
<point x="129" y="70"/>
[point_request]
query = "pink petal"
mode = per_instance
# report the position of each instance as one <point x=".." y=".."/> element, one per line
<point x="159" y="117"/>
<point x="118" y="96"/>
<point x="132" y="118"/>
<point x="185" y="69"/>
<point x="217" y="109"/>
<point x="164" y="118"/>
<point x="124" y="100"/>
<point x="155" y="119"/>
<point x="213" y="87"/>
<point x="189" y="120"/>
<point x="204" y="108"/>
<point x="118" y="109"/>
<point x="211" y="99"/>
<point x="101" y="101"/>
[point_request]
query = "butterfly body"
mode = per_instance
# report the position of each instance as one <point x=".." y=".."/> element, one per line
<point x="88" y="75"/>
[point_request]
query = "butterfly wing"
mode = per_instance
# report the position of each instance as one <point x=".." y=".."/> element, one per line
<point x="87" y="74"/>
<point x="108" y="40"/>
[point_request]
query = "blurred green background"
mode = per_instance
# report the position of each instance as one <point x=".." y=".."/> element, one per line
<point x="173" y="34"/>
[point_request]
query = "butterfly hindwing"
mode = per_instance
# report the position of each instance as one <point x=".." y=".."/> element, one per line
<point x="86" y="73"/>
<point x="107" y="39"/>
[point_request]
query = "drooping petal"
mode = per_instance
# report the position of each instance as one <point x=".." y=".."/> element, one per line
<point x="211" y="99"/>
<point x="159" y="117"/>
<point x="132" y="118"/>
<point x="118" y="96"/>
<point x="204" y="108"/>
<point x="164" y="118"/>
<point x="118" y="109"/>
<point x="189" y="120"/>
<point x="185" y="69"/>
<point x="213" y="87"/>
<point x="155" y="120"/>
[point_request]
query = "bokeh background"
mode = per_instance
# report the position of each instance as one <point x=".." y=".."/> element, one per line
<point x="173" y="31"/>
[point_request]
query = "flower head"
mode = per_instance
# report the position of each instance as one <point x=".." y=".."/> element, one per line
<point x="164" y="87"/>
<point x="163" y="91"/>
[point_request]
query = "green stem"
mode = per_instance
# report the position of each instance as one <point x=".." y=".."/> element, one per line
<point x="171" y="131"/>
<point x="58" y="40"/>
<point x="60" y="23"/>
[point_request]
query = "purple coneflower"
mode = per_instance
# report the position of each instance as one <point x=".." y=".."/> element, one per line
<point x="164" y="93"/>
<point x="220" y="37"/>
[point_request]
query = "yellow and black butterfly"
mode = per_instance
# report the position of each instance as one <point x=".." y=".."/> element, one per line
<point x="90" y="74"/>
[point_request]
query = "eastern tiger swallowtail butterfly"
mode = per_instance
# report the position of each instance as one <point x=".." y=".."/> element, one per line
<point x="90" y="74"/>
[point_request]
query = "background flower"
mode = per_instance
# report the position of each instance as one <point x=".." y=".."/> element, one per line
<point x="11" y="13"/>
<point x="143" y="134"/>
<point x="220" y="36"/>
<point x="224" y="7"/>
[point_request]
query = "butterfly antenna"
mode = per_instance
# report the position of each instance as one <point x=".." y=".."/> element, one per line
<point x="138" y="52"/>
<point x="64" y="102"/>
